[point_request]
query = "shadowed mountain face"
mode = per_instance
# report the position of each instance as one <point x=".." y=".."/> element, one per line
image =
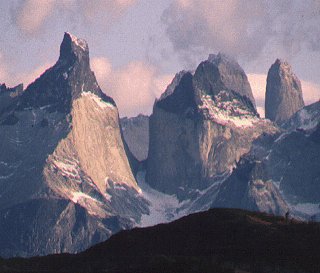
<point x="136" y="134"/>
<point x="283" y="93"/>
<point x="62" y="152"/>
<point x="281" y="172"/>
<point x="218" y="240"/>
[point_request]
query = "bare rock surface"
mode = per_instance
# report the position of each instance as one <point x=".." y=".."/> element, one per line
<point x="283" y="93"/>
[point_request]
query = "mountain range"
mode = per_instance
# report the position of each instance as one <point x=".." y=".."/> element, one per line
<point x="72" y="173"/>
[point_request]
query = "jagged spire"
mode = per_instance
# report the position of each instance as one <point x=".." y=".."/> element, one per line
<point x="73" y="48"/>
<point x="66" y="80"/>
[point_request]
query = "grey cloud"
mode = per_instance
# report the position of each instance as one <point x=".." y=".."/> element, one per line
<point x="242" y="28"/>
<point x="31" y="15"/>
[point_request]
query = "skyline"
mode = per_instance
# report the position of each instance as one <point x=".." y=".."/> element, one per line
<point x="136" y="47"/>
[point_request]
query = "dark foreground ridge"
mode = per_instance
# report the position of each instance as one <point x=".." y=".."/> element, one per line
<point x="218" y="240"/>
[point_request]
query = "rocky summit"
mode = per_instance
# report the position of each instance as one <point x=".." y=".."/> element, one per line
<point x="201" y="126"/>
<point x="66" y="182"/>
<point x="283" y="93"/>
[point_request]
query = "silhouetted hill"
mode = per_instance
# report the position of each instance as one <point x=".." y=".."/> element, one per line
<point x="218" y="240"/>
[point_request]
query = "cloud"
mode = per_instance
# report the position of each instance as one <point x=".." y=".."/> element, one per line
<point x="104" y="9"/>
<point x="240" y="28"/>
<point x="31" y="15"/>
<point x="258" y="84"/>
<point x="101" y="67"/>
<point x="3" y="69"/>
<point x="134" y="86"/>
<point x="311" y="91"/>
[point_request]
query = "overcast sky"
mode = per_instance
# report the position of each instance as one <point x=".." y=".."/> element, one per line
<point x="136" y="46"/>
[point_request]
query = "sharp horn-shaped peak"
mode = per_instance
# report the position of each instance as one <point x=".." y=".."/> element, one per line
<point x="61" y="84"/>
<point x="73" y="48"/>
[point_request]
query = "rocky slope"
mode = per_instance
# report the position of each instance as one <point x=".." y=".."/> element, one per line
<point x="201" y="126"/>
<point x="65" y="182"/>
<point x="136" y="134"/>
<point x="282" y="174"/>
<point x="283" y="93"/>
<point x="9" y="95"/>
<point x="293" y="161"/>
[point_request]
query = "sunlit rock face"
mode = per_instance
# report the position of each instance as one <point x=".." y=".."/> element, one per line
<point x="65" y="180"/>
<point x="283" y="93"/>
<point x="201" y="126"/>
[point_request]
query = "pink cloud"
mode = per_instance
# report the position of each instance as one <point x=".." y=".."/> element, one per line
<point x="31" y="15"/>
<point x="134" y="86"/>
<point x="101" y="67"/>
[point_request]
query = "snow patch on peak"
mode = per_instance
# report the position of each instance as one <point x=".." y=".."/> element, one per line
<point x="227" y="112"/>
<point x="76" y="196"/>
<point x="92" y="205"/>
<point x="78" y="42"/>
<point x="100" y="103"/>
<point x="68" y="168"/>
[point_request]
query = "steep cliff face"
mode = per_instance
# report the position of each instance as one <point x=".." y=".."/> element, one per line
<point x="62" y="151"/>
<point x="136" y="134"/>
<point x="283" y="93"/>
<point x="200" y="127"/>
